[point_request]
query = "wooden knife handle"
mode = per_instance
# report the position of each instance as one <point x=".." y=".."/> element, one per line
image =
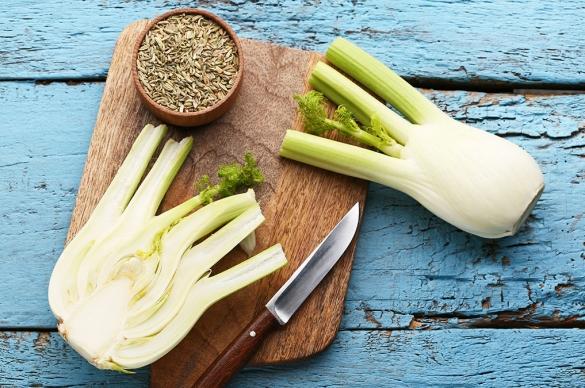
<point x="238" y="353"/>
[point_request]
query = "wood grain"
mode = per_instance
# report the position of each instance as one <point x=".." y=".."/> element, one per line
<point x="301" y="204"/>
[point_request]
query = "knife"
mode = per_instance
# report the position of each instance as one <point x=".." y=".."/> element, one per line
<point x="284" y="303"/>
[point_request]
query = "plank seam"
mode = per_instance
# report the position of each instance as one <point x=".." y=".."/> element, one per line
<point x="485" y="86"/>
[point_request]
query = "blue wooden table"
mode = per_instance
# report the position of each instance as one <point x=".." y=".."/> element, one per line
<point x="427" y="304"/>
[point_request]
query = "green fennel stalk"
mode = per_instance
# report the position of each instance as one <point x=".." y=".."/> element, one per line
<point x="382" y="81"/>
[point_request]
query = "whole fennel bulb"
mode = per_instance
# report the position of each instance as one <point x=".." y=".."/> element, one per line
<point x="477" y="181"/>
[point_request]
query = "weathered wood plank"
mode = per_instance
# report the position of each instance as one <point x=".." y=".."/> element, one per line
<point x="45" y="132"/>
<point x="436" y="358"/>
<point x="44" y="359"/>
<point x="411" y="269"/>
<point x="546" y="357"/>
<point x="473" y="42"/>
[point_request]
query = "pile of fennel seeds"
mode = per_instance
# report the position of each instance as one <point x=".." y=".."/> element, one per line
<point x="187" y="63"/>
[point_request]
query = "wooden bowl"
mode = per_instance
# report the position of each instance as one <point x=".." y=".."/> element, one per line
<point x="189" y="119"/>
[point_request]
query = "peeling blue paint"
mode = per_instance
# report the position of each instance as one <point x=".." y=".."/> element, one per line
<point x="412" y="271"/>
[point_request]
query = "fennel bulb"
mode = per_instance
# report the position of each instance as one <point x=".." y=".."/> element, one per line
<point x="131" y="284"/>
<point x="479" y="182"/>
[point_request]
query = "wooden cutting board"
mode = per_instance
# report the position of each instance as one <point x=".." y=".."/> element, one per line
<point x="301" y="203"/>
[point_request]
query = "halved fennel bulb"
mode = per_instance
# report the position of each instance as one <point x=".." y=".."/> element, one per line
<point x="479" y="182"/>
<point x="131" y="284"/>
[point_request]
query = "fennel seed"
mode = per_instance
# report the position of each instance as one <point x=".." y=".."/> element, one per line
<point x="187" y="63"/>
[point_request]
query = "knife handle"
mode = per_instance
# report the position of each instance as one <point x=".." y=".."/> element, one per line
<point x="238" y="353"/>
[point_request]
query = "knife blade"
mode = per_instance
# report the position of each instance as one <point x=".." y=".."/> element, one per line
<point x="287" y="300"/>
<point x="303" y="281"/>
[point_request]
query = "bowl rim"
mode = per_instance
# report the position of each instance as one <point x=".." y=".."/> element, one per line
<point x="192" y="11"/>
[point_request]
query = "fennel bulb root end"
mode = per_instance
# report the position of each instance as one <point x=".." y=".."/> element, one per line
<point x="528" y="210"/>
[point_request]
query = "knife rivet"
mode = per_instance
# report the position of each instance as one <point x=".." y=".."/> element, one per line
<point x="252" y="333"/>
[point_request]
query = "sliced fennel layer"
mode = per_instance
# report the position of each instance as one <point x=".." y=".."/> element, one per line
<point x="177" y="241"/>
<point x="62" y="286"/>
<point x="194" y="264"/>
<point x="128" y="276"/>
<point x="202" y="294"/>
<point x="137" y="227"/>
